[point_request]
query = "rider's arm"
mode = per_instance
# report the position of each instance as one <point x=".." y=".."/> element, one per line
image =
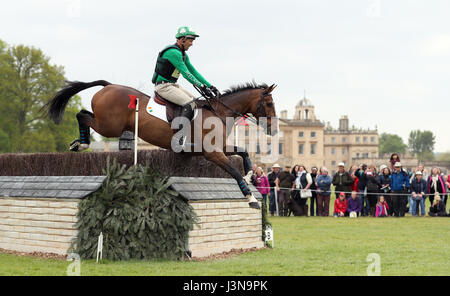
<point x="195" y="73"/>
<point x="175" y="57"/>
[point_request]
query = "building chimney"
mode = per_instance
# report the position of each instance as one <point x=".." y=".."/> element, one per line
<point x="343" y="123"/>
<point x="283" y="114"/>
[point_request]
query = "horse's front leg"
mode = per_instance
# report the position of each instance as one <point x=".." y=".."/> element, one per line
<point x="235" y="150"/>
<point x="223" y="162"/>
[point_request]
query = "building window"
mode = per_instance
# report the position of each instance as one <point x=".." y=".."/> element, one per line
<point x="357" y="155"/>
<point x="246" y="132"/>
<point x="300" y="134"/>
<point x="280" y="148"/>
<point x="365" y="155"/>
<point x="364" y="139"/>
<point x="313" y="148"/>
<point x="333" y="150"/>
<point x="372" y="139"/>
<point x="300" y="148"/>
<point x="344" y="140"/>
<point x="357" y="139"/>
<point x="269" y="148"/>
<point x="333" y="139"/>
<point x="313" y="134"/>
<point x="333" y="163"/>
<point x="344" y="151"/>
<point x="258" y="149"/>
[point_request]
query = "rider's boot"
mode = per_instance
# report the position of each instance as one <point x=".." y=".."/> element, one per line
<point x="188" y="113"/>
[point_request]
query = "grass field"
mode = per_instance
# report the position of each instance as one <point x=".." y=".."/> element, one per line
<point x="303" y="246"/>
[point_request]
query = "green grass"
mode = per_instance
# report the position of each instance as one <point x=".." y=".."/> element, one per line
<point x="303" y="246"/>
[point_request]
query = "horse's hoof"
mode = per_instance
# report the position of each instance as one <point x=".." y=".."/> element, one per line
<point x="75" y="145"/>
<point x="254" y="205"/>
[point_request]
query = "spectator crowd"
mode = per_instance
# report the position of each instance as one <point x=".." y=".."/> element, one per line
<point x="360" y="191"/>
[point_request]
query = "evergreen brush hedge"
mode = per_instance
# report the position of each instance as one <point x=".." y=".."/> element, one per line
<point x="139" y="215"/>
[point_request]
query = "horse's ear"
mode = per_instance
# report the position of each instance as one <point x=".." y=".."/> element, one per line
<point x="270" y="89"/>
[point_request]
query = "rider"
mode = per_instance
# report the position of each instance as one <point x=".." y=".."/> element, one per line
<point x="172" y="61"/>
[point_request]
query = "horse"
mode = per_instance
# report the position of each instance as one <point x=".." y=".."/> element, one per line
<point x="112" y="116"/>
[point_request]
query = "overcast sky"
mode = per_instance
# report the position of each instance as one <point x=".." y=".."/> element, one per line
<point x="382" y="63"/>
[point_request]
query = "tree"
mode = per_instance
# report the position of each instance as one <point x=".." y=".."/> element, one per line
<point x="391" y="143"/>
<point x="27" y="82"/>
<point x="421" y="143"/>
<point x="444" y="157"/>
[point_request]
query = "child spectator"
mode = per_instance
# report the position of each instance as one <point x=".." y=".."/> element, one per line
<point x="340" y="205"/>
<point x="354" y="204"/>
<point x="382" y="208"/>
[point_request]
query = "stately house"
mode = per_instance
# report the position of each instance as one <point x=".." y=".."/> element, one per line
<point x="306" y="140"/>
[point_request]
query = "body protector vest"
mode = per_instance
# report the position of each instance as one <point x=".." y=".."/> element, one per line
<point x="165" y="68"/>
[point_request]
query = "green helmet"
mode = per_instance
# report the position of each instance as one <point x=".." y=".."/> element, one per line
<point x="186" y="32"/>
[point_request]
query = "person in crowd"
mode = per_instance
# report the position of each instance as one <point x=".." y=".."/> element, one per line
<point x="394" y="158"/>
<point x="436" y="184"/>
<point x="362" y="188"/>
<point x="438" y="208"/>
<point x="313" y="209"/>
<point x="342" y="180"/>
<point x="418" y="193"/>
<point x="323" y="182"/>
<point x="382" y="208"/>
<point x="303" y="181"/>
<point x="340" y="205"/>
<point x="373" y="189"/>
<point x="284" y="185"/>
<point x="355" y="179"/>
<point x="399" y="187"/>
<point x="262" y="183"/>
<point x="354" y="204"/>
<point x="384" y="179"/>
<point x="272" y="176"/>
<point x="421" y="169"/>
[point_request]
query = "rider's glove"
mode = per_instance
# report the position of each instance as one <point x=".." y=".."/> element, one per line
<point x="207" y="92"/>
<point x="215" y="90"/>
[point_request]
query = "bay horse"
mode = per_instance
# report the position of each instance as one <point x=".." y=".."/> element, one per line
<point x="111" y="117"/>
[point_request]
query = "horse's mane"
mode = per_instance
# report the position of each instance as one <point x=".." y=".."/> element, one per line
<point x="244" y="86"/>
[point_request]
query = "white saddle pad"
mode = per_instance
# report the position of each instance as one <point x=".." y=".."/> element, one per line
<point x="159" y="111"/>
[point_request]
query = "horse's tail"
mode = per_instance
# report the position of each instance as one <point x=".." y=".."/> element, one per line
<point x="55" y="107"/>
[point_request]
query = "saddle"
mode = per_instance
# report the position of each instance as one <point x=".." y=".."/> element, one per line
<point x="173" y="110"/>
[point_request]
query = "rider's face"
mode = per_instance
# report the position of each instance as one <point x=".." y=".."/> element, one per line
<point x="187" y="42"/>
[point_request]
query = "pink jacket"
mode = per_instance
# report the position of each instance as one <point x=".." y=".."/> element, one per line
<point x="263" y="186"/>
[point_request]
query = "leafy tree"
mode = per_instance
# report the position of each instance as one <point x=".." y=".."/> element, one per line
<point x="5" y="143"/>
<point x="27" y="82"/>
<point x="422" y="143"/>
<point x="391" y="143"/>
<point x="445" y="157"/>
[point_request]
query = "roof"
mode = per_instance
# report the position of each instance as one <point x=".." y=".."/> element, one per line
<point x="305" y="102"/>
<point x="293" y="122"/>
<point x="49" y="186"/>
<point x="210" y="188"/>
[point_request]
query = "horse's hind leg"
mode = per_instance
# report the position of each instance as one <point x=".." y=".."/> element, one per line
<point x="85" y="120"/>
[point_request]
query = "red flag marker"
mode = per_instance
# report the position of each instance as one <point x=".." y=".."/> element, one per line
<point x="132" y="104"/>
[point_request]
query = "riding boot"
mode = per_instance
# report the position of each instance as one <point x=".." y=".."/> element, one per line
<point x="188" y="113"/>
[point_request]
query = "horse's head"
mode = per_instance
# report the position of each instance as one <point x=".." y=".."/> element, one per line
<point x="264" y="110"/>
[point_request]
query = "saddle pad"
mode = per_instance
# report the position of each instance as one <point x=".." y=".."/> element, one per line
<point x="159" y="111"/>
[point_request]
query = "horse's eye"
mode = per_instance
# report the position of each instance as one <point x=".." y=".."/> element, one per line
<point x="269" y="104"/>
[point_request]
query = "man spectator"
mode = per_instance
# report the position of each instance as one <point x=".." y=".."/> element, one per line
<point x="418" y="190"/>
<point x="284" y="184"/>
<point x="342" y="180"/>
<point x="272" y="176"/>
<point x="399" y="187"/>
<point x="323" y="192"/>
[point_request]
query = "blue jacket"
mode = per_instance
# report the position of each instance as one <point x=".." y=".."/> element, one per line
<point x="324" y="184"/>
<point x="399" y="181"/>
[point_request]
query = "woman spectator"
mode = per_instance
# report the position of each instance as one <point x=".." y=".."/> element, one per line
<point x="373" y="189"/>
<point x="262" y="184"/>
<point x="394" y="158"/>
<point x="418" y="190"/>
<point x="354" y="204"/>
<point x="313" y="200"/>
<point x="438" y="207"/>
<point x="382" y="208"/>
<point x="436" y="184"/>
<point x="303" y="181"/>
<point x="362" y="186"/>
<point x="340" y="205"/>
<point x="355" y="179"/>
<point x="384" y="179"/>
<point x="323" y="182"/>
